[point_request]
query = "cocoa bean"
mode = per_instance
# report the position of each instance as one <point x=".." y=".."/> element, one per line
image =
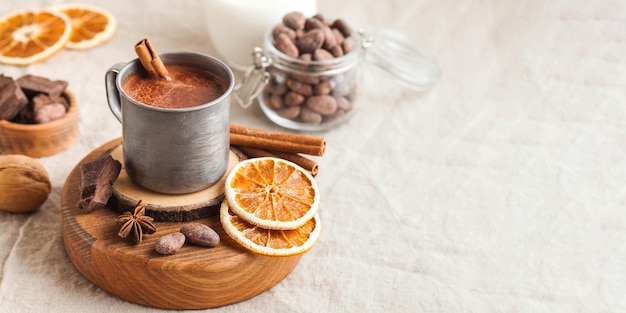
<point x="343" y="27"/>
<point x="322" y="55"/>
<point x="294" y="20"/>
<point x="294" y="99"/>
<point x="347" y="45"/>
<point x="324" y="104"/>
<point x="338" y="36"/>
<point x="320" y="17"/>
<point x="323" y="88"/>
<point x="300" y="33"/>
<point x="329" y="38"/>
<point x="282" y="29"/>
<point x="170" y="243"/>
<point x="276" y="89"/>
<point x="276" y="102"/>
<point x="289" y="113"/>
<point x="344" y="104"/>
<point x="310" y="41"/>
<point x="299" y="87"/>
<point x="286" y="45"/>
<point x="312" y="23"/>
<point x="309" y="116"/>
<point x="200" y="234"/>
<point x="305" y="57"/>
<point x="306" y="79"/>
<point x="337" y="51"/>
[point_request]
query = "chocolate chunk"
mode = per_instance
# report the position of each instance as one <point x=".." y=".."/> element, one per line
<point x="49" y="113"/>
<point x="26" y="116"/>
<point x="42" y="100"/>
<point x="33" y="85"/>
<point x="42" y="109"/>
<point x="12" y="98"/>
<point x="97" y="178"/>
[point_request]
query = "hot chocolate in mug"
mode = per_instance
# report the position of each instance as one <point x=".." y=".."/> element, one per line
<point x="175" y="134"/>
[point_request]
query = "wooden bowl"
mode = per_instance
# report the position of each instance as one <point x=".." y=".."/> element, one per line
<point x="39" y="140"/>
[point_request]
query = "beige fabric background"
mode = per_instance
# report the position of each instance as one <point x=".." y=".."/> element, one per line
<point x="501" y="190"/>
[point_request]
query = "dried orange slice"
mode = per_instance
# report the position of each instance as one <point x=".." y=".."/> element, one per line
<point x="272" y="193"/>
<point x="31" y="36"/>
<point x="91" y="26"/>
<point x="267" y="241"/>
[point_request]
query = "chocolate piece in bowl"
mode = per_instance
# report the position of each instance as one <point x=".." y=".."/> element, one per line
<point x="47" y="109"/>
<point x="33" y="85"/>
<point x="12" y="98"/>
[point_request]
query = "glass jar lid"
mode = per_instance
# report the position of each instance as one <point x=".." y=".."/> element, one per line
<point x="394" y="55"/>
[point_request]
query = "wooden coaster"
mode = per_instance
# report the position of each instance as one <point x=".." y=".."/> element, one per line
<point x="164" y="207"/>
<point x="193" y="278"/>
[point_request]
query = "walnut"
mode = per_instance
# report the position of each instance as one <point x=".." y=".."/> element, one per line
<point x="24" y="184"/>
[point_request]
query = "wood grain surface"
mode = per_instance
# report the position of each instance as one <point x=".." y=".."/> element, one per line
<point x="193" y="278"/>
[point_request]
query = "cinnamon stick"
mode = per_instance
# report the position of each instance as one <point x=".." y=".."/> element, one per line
<point x="303" y="162"/>
<point x="277" y="141"/>
<point x="274" y="145"/>
<point x="150" y="59"/>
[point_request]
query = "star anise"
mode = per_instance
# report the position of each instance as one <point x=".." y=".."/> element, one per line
<point x="136" y="223"/>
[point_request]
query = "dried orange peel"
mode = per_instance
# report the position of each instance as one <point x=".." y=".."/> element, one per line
<point x="31" y="36"/>
<point x="91" y="26"/>
<point x="267" y="241"/>
<point x="271" y="207"/>
<point x="272" y="193"/>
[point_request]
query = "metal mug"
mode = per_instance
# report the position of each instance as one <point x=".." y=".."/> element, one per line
<point x="173" y="151"/>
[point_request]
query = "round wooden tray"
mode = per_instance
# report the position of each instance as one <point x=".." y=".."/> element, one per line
<point x="193" y="278"/>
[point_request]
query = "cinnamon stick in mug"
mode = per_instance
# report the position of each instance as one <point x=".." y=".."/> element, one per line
<point x="150" y="59"/>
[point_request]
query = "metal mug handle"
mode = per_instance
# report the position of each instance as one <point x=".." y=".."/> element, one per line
<point x="113" y="93"/>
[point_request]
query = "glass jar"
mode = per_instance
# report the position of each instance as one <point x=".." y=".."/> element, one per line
<point x="305" y="95"/>
<point x="311" y="95"/>
<point x="319" y="95"/>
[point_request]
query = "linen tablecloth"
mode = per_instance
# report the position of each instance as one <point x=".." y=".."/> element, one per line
<point x="502" y="189"/>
